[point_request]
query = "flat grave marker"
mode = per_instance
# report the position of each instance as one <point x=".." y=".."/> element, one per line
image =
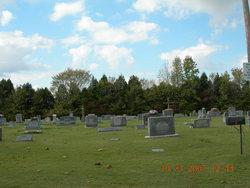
<point x="25" y="137"/>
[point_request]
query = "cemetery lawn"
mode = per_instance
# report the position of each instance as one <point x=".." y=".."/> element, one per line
<point x="65" y="157"/>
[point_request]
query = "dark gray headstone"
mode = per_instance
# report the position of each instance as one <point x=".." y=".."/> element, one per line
<point x="233" y="117"/>
<point x="91" y="120"/>
<point x="108" y="129"/>
<point x="201" y="123"/>
<point x="161" y="126"/>
<point x="19" y="118"/>
<point x="25" y="137"/>
<point x="118" y="121"/>
<point x="67" y="120"/>
<point x="33" y="124"/>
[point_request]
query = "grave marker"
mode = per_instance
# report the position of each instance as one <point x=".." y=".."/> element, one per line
<point x="118" y="121"/>
<point x="108" y="129"/>
<point x="25" y="137"/>
<point x="91" y="120"/>
<point x="19" y="118"/>
<point x="161" y="127"/>
<point x="33" y="126"/>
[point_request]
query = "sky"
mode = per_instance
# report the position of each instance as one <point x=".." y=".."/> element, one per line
<point x="40" y="38"/>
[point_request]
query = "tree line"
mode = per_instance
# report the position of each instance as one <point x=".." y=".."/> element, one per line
<point x="79" y="92"/>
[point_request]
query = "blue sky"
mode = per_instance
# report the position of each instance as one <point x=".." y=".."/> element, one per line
<point x="39" y="38"/>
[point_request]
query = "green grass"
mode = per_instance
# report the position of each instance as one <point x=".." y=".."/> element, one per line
<point x="73" y="151"/>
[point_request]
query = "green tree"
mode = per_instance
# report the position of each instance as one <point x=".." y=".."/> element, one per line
<point x="238" y="77"/>
<point x="43" y="102"/>
<point x="190" y="68"/>
<point x="176" y="76"/>
<point x="120" y="89"/>
<point x="204" y="91"/>
<point x="61" y="106"/>
<point x="6" y="98"/>
<point x="77" y="77"/>
<point x="136" y="99"/>
<point x="23" y="100"/>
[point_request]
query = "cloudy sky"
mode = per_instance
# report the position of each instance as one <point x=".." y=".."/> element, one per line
<point x="39" y="38"/>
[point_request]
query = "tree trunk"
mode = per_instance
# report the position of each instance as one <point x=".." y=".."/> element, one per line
<point x="247" y="26"/>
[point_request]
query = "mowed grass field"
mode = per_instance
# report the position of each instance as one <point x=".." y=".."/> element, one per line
<point x="64" y="156"/>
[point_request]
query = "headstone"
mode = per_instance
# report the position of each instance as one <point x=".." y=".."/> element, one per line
<point x="108" y="129"/>
<point x="118" y="121"/>
<point x="201" y="123"/>
<point x="19" y="118"/>
<point x="33" y="126"/>
<point x="54" y="118"/>
<point x="161" y="127"/>
<point x="39" y="117"/>
<point x="202" y="113"/>
<point x="25" y="137"/>
<point x="233" y="117"/>
<point x="71" y="114"/>
<point x="47" y="120"/>
<point x="214" y="112"/>
<point x="168" y="112"/>
<point x="193" y="114"/>
<point x="10" y="124"/>
<point x="67" y="120"/>
<point x="91" y="120"/>
<point x="203" y="120"/>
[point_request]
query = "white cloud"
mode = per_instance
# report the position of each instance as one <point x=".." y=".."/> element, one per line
<point x="93" y="66"/>
<point x="36" y="78"/>
<point x="147" y="6"/>
<point x="219" y="11"/>
<point x="79" y="55"/>
<point x="16" y="50"/>
<point x="5" y="17"/>
<point x="199" y="53"/>
<point x="72" y="40"/>
<point x="114" y="55"/>
<point x="65" y="9"/>
<point x="103" y="33"/>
